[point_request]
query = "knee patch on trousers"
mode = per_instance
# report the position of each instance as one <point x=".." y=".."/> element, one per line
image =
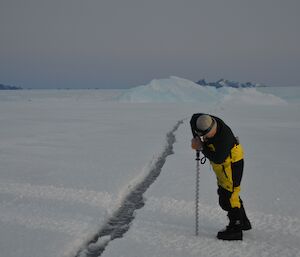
<point x="235" y="198"/>
<point x="229" y="200"/>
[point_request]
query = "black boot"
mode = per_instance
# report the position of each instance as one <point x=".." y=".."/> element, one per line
<point x="246" y="225"/>
<point x="234" y="230"/>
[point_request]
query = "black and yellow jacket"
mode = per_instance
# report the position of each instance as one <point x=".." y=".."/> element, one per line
<point x="225" y="155"/>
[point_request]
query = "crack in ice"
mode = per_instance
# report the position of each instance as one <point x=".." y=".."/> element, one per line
<point x="119" y="223"/>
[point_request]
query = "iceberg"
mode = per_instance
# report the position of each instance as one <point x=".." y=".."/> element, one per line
<point x="180" y="90"/>
<point x="170" y="90"/>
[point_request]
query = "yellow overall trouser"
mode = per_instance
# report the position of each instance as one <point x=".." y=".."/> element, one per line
<point x="229" y="177"/>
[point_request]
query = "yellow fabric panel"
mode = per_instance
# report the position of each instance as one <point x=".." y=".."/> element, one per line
<point x="237" y="153"/>
<point x="235" y="198"/>
<point x="224" y="176"/>
<point x="223" y="171"/>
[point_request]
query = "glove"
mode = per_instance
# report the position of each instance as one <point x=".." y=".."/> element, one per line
<point x="196" y="144"/>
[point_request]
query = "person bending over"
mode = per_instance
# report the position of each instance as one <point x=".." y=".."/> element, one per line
<point x="217" y="142"/>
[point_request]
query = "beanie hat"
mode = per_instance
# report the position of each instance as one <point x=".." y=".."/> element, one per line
<point x="205" y="123"/>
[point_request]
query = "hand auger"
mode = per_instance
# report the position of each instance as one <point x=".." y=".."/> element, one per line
<point x="202" y="161"/>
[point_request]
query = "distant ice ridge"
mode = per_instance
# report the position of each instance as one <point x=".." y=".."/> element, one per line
<point x="170" y="90"/>
<point x="175" y="90"/>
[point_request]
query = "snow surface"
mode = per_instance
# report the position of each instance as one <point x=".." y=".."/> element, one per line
<point x="72" y="160"/>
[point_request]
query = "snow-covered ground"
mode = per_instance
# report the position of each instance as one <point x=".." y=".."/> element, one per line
<point x="72" y="162"/>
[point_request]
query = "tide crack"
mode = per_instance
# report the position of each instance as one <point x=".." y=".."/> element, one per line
<point x="119" y="223"/>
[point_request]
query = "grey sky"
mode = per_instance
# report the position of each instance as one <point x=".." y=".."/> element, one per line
<point x="124" y="43"/>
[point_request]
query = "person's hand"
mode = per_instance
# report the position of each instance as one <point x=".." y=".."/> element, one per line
<point x="196" y="144"/>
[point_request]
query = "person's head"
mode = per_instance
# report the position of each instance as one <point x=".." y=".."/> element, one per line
<point x="206" y="126"/>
